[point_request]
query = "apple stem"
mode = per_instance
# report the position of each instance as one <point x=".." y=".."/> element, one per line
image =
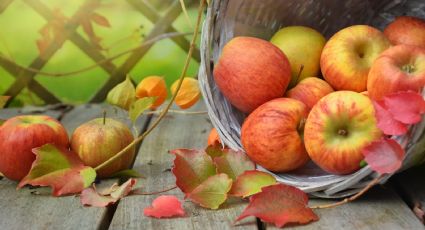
<point x="104" y="116"/>
<point x="352" y="198"/>
<point x="168" y="106"/>
<point x="299" y="72"/>
<point x="343" y="132"/>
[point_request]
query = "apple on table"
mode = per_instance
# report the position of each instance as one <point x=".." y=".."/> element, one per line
<point x="19" y="135"/>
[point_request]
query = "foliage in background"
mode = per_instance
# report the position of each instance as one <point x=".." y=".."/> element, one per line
<point x="22" y="31"/>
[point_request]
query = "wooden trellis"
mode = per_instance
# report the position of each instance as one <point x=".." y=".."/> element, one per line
<point x="116" y="74"/>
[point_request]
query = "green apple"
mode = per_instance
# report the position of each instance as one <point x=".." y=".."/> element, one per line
<point x="302" y="46"/>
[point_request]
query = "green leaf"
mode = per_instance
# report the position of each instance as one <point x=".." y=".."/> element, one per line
<point x="60" y="169"/>
<point x="214" y="151"/>
<point x="123" y="94"/>
<point x="3" y="100"/>
<point x="233" y="163"/>
<point x="191" y="168"/>
<point x="139" y="106"/>
<point x="127" y="173"/>
<point x="251" y="182"/>
<point x="212" y="192"/>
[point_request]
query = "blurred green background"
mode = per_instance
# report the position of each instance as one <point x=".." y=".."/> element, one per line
<point x="20" y="29"/>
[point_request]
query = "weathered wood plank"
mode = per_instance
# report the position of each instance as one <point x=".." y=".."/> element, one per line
<point x="154" y="162"/>
<point x="410" y="184"/>
<point x="36" y="208"/>
<point x="380" y="208"/>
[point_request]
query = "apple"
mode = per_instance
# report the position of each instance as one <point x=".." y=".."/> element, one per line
<point x="272" y="135"/>
<point x="310" y="91"/>
<point x="406" y="30"/>
<point x="338" y="127"/>
<point x="303" y="47"/>
<point x="98" y="140"/>
<point x="348" y="55"/>
<point x="250" y="72"/>
<point x="400" y="68"/>
<point x="19" y="135"/>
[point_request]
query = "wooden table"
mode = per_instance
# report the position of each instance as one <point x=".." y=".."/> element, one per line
<point x="385" y="207"/>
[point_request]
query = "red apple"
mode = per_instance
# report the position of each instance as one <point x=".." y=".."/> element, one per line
<point x="98" y="140"/>
<point x="338" y="127"/>
<point x="400" y="68"/>
<point x="251" y="71"/>
<point x="272" y="135"/>
<point x="348" y="55"/>
<point x="19" y="135"/>
<point x="309" y="91"/>
<point x="406" y="30"/>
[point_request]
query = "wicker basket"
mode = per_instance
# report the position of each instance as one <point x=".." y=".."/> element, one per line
<point x="226" y="19"/>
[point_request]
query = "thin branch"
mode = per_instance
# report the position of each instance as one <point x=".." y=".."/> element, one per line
<point x="164" y="112"/>
<point x="95" y="65"/>
<point x="136" y="191"/>
<point x="352" y="198"/>
<point x="178" y="112"/>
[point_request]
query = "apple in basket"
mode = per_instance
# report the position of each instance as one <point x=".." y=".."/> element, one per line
<point x="272" y="135"/>
<point x="250" y="72"/>
<point x="98" y="140"/>
<point x="19" y="135"/>
<point x="302" y="46"/>
<point x="406" y="30"/>
<point x="338" y="127"/>
<point x="348" y="55"/>
<point x="399" y="68"/>
<point x="310" y="91"/>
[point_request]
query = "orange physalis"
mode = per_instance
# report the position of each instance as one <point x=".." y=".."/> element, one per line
<point x="152" y="86"/>
<point x="189" y="92"/>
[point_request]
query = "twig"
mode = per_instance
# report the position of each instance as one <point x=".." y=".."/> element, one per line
<point x="95" y="65"/>
<point x="164" y="112"/>
<point x="352" y="198"/>
<point x="136" y="191"/>
<point x="178" y="112"/>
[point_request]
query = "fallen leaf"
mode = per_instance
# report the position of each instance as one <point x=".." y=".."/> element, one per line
<point x="191" y="168"/>
<point x="280" y="204"/>
<point x="139" y="106"/>
<point x="127" y="173"/>
<point x="60" y="169"/>
<point x="233" y="163"/>
<point x="105" y="197"/>
<point x="165" y="206"/>
<point x="100" y="20"/>
<point x="3" y="101"/>
<point x="384" y="156"/>
<point x="89" y="197"/>
<point x="123" y="94"/>
<point x="406" y="107"/>
<point x="152" y="86"/>
<point x="188" y="94"/>
<point x="251" y="182"/>
<point x="212" y="192"/>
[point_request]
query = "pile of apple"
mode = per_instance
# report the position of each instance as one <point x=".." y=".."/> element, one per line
<point x="94" y="141"/>
<point x="296" y="115"/>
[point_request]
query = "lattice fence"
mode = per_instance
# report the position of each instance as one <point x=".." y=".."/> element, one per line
<point x="26" y="79"/>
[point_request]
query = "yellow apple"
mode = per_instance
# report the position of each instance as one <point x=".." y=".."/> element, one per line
<point x="302" y="46"/>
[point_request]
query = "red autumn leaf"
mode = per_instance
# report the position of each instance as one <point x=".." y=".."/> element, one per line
<point x="191" y="168"/>
<point x="212" y="192"/>
<point x="386" y="122"/>
<point x="165" y="206"/>
<point x="280" y="204"/>
<point x="92" y="197"/>
<point x="384" y="156"/>
<point x="60" y="169"/>
<point x="233" y="163"/>
<point x="406" y="107"/>
<point x="54" y="29"/>
<point x="100" y="20"/>
<point x="251" y="182"/>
